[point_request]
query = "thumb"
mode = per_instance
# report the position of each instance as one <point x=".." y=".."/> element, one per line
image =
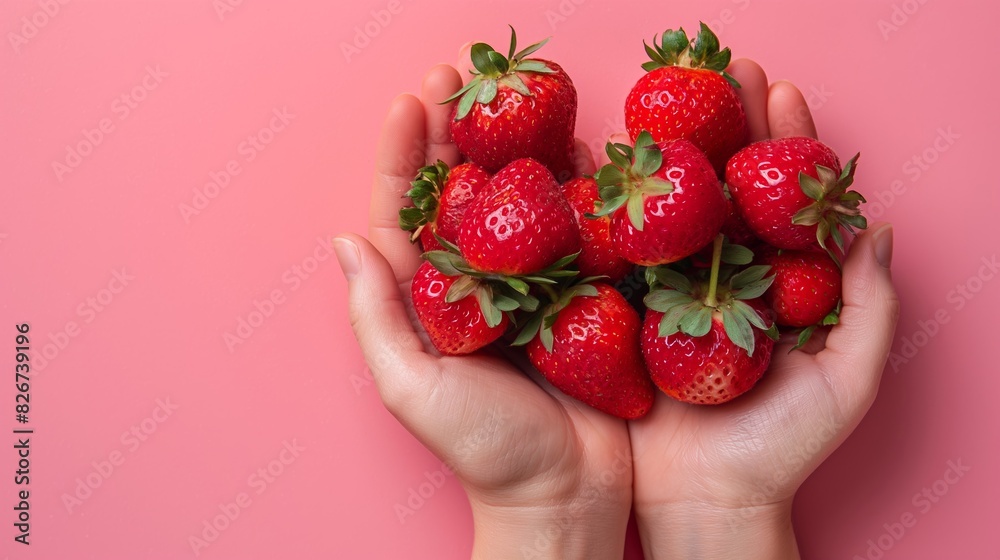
<point x="390" y="345"/>
<point x="857" y="348"/>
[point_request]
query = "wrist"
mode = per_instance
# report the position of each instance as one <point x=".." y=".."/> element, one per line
<point x="699" y="530"/>
<point x="584" y="527"/>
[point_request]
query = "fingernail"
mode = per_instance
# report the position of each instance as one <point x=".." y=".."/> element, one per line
<point x="883" y="246"/>
<point x="348" y="257"/>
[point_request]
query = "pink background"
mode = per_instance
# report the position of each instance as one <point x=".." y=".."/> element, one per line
<point x="297" y="381"/>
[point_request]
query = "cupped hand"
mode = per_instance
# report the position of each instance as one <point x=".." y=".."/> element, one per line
<point x="718" y="481"/>
<point x="543" y="472"/>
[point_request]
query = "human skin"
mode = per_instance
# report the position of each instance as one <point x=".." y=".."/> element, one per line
<point x="549" y="477"/>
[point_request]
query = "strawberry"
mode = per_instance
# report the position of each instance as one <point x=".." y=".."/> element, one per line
<point x="440" y="196"/>
<point x="706" y="342"/>
<point x="597" y="254"/>
<point x="515" y="107"/>
<point x="456" y="327"/>
<point x="665" y="201"/>
<point x="586" y="344"/>
<point x="793" y="194"/>
<point x="806" y="290"/>
<point x="686" y="93"/>
<point x="519" y="223"/>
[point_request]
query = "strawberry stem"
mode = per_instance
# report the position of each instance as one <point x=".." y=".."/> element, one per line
<point x="713" y="281"/>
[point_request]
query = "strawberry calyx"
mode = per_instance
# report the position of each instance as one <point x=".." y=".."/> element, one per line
<point x="832" y="318"/>
<point x="835" y="206"/>
<point x="425" y="192"/>
<point x="690" y="302"/>
<point x="702" y="52"/>
<point x="628" y="180"/>
<point x="496" y="293"/>
<point x="492" y="69"/>
<point x="540" y="323"/>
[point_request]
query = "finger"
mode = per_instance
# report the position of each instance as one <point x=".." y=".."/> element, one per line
<point x="378" y="316"/>
<point x="753" y="94"/>
<point x="464" y="65"/>
<point x="616" y="138"/>
<point x="439" y="84"/>
<point x="399" y="155"/>
<point x="788" y="113"/>
<point x="583" y="160"/>
<point x="857" y="348"/>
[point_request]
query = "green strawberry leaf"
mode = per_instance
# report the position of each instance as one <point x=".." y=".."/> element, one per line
<point x="487" y="92"/>
<point x="749" y="314"/>
<point x="697" y="322"/>
<point x="461" y="289"/>
<point x="490" y="311"/>
<point x="749" y="276"/>
<point x="635" y="207"/>
<point x="811" y="187"/>
<point x="736" y="254"/>
<point x="529" y="331"/>
<point x="446" y="263"/>
<point x="738" y="330"/>
<point x="804" y="336"/>
<point x="754" y="290"/>
<point x="671" y="278"/>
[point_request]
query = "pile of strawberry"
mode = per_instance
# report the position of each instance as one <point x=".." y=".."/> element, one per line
<point x="733" y="239"/>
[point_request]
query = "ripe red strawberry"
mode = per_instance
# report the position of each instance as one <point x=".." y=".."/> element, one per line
<point x="587" y="345"/>
<point x="458" y="327"/>
<point x="793" y="194"/>
<point x="665" y="201"/>
<point x="598" y="256"/>
<point x="806" y="288"/>
<point x="706" y="343"/>
<point x="440" y="196"/>
<point x="686" y="93"/>
<point x="516" y="107"/>
<point x="519" y="223"/>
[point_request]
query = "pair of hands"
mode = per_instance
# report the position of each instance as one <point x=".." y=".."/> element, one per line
<point x="549" y="477"/>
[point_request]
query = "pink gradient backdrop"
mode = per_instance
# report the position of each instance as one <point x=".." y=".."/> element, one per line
<point x="299" y="379"/>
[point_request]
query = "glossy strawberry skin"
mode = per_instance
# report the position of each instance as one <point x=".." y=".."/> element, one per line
<point x="514" y="126"/>
<point x="463" y="184"/>
<point x="807" y="287"/>
<point x="454" y="328"/>
<point x="519" y="223"/>
<point x="595" y="355"/>
<point x="678" y="224"/>
<point x="706" y="370"/>
<point x="695" y="104"/>
<point x="763" y="180"/>
<point x="598" y="256"/>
